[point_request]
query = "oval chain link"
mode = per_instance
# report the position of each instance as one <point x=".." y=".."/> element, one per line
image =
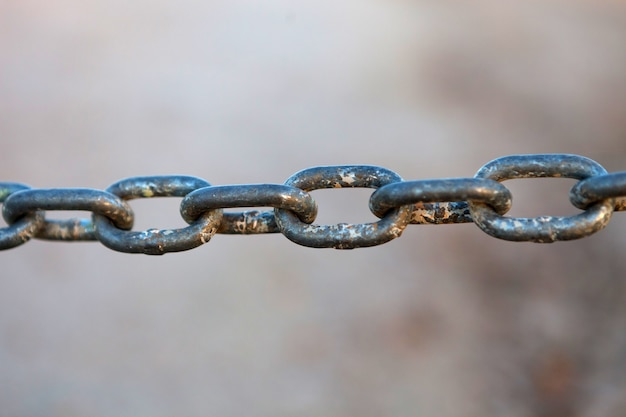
<point x="543" y="229"/>
<point x="96" y="201"/>
<point x="426" y="197"/>
<point x="343" y="236"/>
<point x="155" y="241"/>
<point x="251" y="195"/>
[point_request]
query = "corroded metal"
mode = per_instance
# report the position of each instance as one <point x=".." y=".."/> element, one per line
<point x="425" y="195"/>
<point x="441" y="213"/>
<point x="249" y="222"/>
<point x="249" y="195"/>
<point x="101" y="202"/>
<point x="482" y="200"/>
<point x="343" y="236"/>
<point x="156" y="241"/>
<point x="544" y="229"/>
<point x="22" y="229"/>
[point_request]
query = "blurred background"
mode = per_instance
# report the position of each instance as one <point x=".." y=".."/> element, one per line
<point x="445" y="321"/>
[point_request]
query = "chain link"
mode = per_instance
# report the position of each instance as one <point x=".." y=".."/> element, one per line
<point x="343" y="235"/>
<point x="546" y="228"/>
<point x="22" y="203"/>
<point x="155" y="241"/>
<point x="481" y="199"/>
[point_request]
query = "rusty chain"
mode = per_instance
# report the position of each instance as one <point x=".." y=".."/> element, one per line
<point x="481" y="199"/>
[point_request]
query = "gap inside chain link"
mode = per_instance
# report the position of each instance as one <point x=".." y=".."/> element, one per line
<point x="346" y="205"/>
<point x="57" y="215"/>
<point x="541" y="197"/>
<point x="3" y="222"/>
<point x="157" y="213"/>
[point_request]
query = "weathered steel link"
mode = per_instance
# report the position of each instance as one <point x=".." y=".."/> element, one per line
<point x="21" y="230"/>
<point x="343" y="236"/>
<point x="482" y="199"/>
<point x="452" y="191"/>
<point x="155" y="241"/>
<point x="30" y="201"/>
<point x="252" y="195"/>
<point x="594" y="189"/>
<point x="547" y="228"/>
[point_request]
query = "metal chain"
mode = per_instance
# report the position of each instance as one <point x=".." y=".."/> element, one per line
<point x="481" y="199"/>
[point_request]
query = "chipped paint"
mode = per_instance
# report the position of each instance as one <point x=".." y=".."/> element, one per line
<point x="348" y="179"/>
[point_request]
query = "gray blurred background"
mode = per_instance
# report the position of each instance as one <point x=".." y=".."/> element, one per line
<point x="445" y="321"/>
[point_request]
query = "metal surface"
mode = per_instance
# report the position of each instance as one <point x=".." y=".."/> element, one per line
<point x="251" y="195"/>
<point x="22" y="229"/>
<point x="595" y="189"/>
<point x="155" y="241"/>
<point x="23" y="203"/>
<point x="343" y="236"/>
<point x="421" y="193"/>
<point x="481" y="199"/>
<point x="543" y="229"/>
